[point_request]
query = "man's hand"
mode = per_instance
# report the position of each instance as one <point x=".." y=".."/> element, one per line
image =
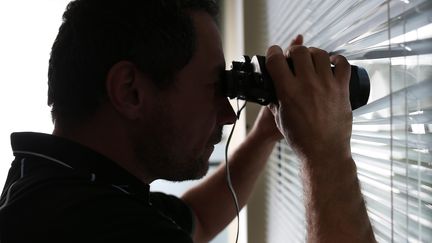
<point x="313" y="112"/>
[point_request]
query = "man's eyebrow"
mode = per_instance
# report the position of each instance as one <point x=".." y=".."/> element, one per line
<point x="222" y="72"/>
<point x="221" y="66"/>
<point x="219" y="69"/>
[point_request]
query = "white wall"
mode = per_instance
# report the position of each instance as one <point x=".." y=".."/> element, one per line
<point x="28" y="29"/>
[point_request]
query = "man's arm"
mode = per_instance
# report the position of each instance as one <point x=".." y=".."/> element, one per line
<point x="335" y="210"/>
<point x="211" y="200"/>
<point x="315" y="117"/>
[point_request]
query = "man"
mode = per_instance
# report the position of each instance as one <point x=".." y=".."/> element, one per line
<point x="135" y="93"/>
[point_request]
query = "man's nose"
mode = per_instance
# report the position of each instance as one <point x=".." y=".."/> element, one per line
<point x="226" y="115"/>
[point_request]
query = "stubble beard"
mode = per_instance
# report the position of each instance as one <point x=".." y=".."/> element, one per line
<point x="162" y="159"/>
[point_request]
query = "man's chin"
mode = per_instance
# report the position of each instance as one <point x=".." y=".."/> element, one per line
<point x="208" y="152"/>
<point x="197" y="171"/>
<point x="202" y="168"/>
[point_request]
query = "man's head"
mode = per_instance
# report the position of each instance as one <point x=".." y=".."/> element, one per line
<point x="156" y="35"/>
<point x="149" y="71"/>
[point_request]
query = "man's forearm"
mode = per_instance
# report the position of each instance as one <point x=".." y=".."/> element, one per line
<point x="212" y="201"/>
<point x="335" y="208"/>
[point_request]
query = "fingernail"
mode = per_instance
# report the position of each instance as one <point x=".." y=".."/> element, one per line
<point x="299" y="37"/>
<point x="273" y="50"/>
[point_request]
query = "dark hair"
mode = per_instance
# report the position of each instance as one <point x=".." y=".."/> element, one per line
<point x="158" y="36"/>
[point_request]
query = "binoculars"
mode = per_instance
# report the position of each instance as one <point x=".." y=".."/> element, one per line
<point x="250" y="81"/>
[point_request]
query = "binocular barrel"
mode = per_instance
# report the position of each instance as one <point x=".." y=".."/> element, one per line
<point x="249" y="80"/>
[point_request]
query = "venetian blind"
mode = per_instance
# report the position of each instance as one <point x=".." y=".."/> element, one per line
<point x="391" y="140"/>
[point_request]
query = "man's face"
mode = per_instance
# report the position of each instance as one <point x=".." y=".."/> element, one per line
<point x="190" y="114"/>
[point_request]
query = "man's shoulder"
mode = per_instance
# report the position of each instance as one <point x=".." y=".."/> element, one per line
<point x="69" y="203"/>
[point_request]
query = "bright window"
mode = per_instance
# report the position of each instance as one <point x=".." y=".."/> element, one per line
<point x="28" y="29"/>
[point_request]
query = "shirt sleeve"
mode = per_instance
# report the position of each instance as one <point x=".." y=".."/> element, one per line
<point x="175" y="209"/>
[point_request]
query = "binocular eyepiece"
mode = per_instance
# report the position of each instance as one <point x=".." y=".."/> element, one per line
<point x="249" y="80"/>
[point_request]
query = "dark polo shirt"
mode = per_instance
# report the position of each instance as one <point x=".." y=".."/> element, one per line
<point x="61" y="191"/>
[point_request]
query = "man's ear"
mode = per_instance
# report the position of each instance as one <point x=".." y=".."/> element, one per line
<point x="126" y="90"/>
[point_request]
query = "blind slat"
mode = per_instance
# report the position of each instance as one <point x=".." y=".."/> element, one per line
<point x="418" y="91"/>
<point x="411" y="20"/>
<point x="417" y="47"/>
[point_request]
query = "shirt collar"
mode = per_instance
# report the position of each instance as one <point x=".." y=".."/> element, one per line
<point x="77" y="156"/>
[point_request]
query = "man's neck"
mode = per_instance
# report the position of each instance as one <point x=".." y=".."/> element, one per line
<point x="108" y="139"/>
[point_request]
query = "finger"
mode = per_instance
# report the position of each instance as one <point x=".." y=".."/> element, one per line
<point x="342" y="69"/>
<point x="278" y="69"/>
<point x="302" y="60"/>
<point x="296" y="41"/>
<point x="321" y="60"/>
